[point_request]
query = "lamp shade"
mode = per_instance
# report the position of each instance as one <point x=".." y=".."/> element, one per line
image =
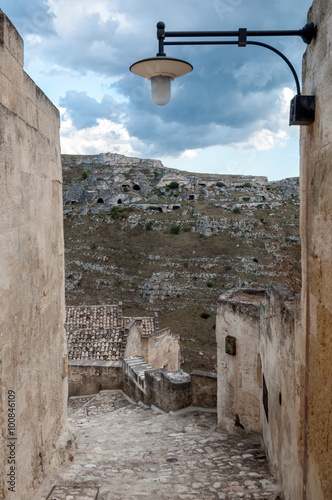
<point x="161" y="66"/>
<point x="161" y="89"/>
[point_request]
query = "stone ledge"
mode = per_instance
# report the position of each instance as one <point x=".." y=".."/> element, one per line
<point x="199" y="373"/>
<point x="92" y="362"/>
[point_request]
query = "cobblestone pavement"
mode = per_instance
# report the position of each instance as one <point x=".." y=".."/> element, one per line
<point x="128" y="451"/>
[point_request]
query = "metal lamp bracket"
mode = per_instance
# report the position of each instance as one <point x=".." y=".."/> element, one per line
<point x="302" y="111"/>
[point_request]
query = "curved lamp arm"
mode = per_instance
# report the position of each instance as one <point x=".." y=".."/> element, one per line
<point x="161" y="69"/>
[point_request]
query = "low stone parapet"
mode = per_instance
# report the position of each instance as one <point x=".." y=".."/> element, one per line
<point x="134" y="370"/>
<point x="165" y="389"/>
<point x="90" y="376"/>
<point x="168" y="390"/>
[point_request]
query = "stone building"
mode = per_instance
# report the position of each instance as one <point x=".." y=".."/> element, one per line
<point x="33" y="376"/>
<point x="102" y="333"/>
<point x="107" y="351"/>
<point x="259" y="376"/>
<point x="278" y="380"/>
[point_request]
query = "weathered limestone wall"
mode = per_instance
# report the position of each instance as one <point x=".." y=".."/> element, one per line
<point x="90" y="377"/>
<point x="239" y="375"/>
<point x="32" y="312"/>
<point x="169" y="391"/>
<point x="134" y="369"/>
<point x="204" y="389"/>
<point x="282" y="395"/>
<point x="162" y="350"/>
<point x="259" y="388"/>
<point x="133" y="339"/>
<point x="316" y="234"/>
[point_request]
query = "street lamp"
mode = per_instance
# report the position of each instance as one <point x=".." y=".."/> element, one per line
<point x="161" y="70"/>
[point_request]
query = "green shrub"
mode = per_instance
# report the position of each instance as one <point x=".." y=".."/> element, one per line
<point x="93" y="246"/>
<point x="255" y="259"/>
<point x="247" y="185"/>
<point x="209" y="284"/>
<point x="115" y="213"/>
<point x="246" y="198"/>
<point x="148" y="226"/>
<point x="236" y="210"/>
<point x="228" y="268"/>
<point x="187" y="229"/>
<point x="119" y="213"/>
<point x="205" y="315"/>
<point x="85" y="175"/>
<point x="220" y="184"/>
<point x="126" y="189"/>
<point x="175" y="229"/>
<point x="173" y="185"/>
<point x="195" y="278"/>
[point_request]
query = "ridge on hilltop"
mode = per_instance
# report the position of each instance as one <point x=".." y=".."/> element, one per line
<point x="164" y="240"/>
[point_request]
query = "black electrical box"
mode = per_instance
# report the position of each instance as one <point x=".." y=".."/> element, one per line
<point x="302" y="110"/>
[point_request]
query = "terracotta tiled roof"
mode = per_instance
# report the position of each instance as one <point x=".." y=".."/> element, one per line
<point x="92" y="316"/>
<point x="97" y="332"/>
<point x="146" y="326"/>
<point x="105" y="344"/>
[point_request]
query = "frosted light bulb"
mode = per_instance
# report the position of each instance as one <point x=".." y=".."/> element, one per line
<point x="161" y="89"/>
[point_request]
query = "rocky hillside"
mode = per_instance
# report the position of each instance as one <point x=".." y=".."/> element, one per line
<point x="164" y="240"/>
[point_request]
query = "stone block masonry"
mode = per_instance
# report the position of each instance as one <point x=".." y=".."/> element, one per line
<point x="32" y="339"/>
<point x="168" y="390"/>
<point x="316" y="233"/>
<point x="90" y="377"/>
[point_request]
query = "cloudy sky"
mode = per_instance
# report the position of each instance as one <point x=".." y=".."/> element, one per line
<point x="230" y="115"/>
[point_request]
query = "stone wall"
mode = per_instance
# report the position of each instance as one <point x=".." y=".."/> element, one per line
<point x="90" y="377"/>
<point x="162" y="350"/>
<point x="204" y="389"/>
<point x="32" y="313"/>
<point x="134" y="369"/>
<point x="133" y="339"/>
<point x="281" y="394"/>
<point x="239" y="375"/>
<point x="259" y="386"/>
<point x="169" y="391"/>
<point x="316" y="234"/>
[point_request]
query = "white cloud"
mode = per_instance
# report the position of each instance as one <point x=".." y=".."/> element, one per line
<point x="104" y="137"/>
<point x="190" y="153"/>
<point x="265" y="139"/>
<point x="33" y="39"/>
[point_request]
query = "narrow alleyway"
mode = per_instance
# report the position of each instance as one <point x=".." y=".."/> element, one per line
<point x="126" y="451"/>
